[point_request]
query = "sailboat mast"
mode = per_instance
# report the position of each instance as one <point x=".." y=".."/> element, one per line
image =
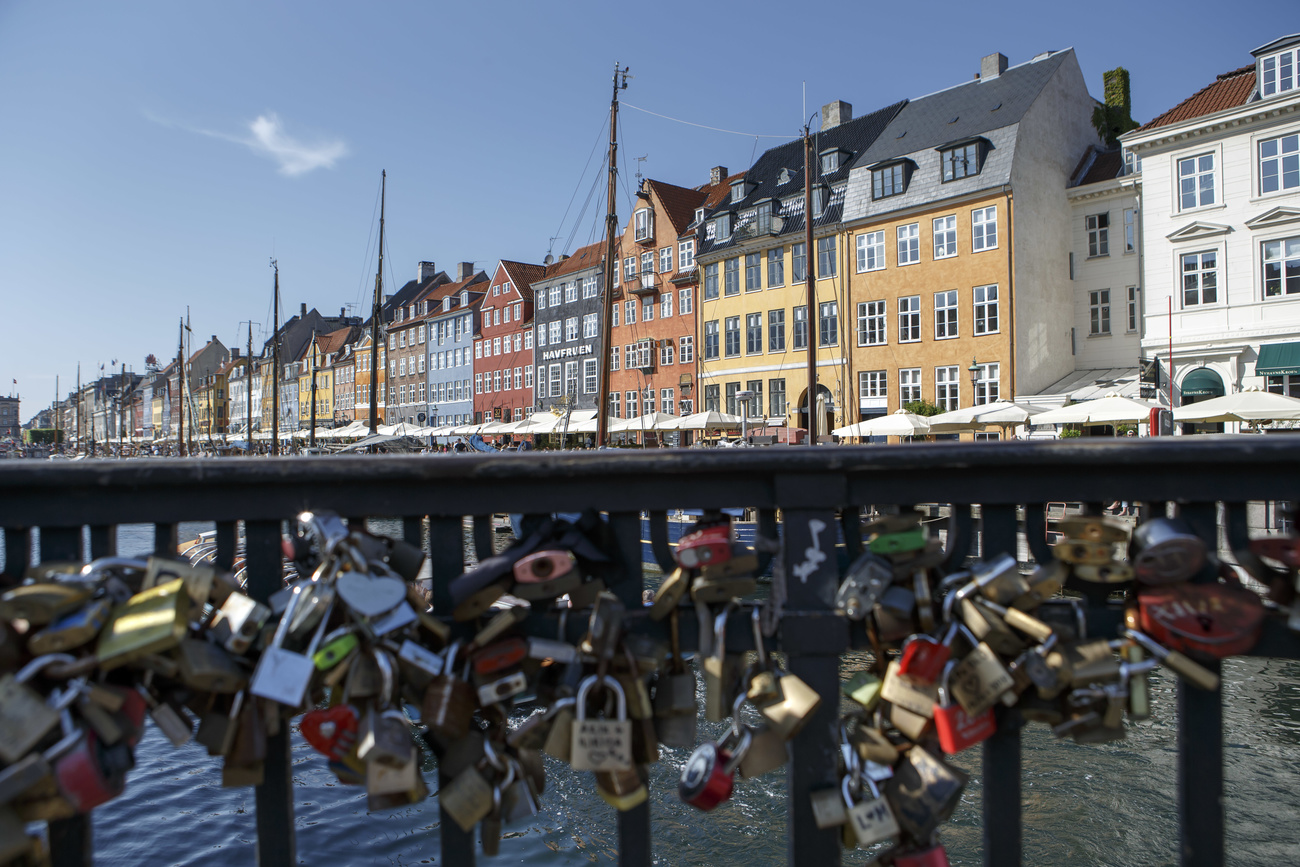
<point x="810" y="277"/>
<point x="374" y="311"/>
<point x="611" y="264"/>
<point x="180" y="389"/>
<point x="275" y="364"/>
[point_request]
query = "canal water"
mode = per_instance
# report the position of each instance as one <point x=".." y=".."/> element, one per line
<point x="1113" y="804"/>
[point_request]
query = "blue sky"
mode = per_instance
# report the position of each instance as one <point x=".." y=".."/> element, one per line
<point x="155" y="156"/>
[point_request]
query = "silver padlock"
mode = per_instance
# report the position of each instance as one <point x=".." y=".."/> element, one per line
<point x="282" y="675"/>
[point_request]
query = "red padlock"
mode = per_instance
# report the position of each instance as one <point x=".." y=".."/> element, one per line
<point x="91" y="774"/>
<point x="1218" y="620"/>
<point x="956" y="729"/>
<point x="931" y="856"/>
<point x="500" y="656"/>
<point x="707" y="546"/>
<point x="131" y="714"/>
<point x="710" y="772"/>
<point x="924" y="657"/>
<point x="331" y="731"/>
<point x="1283" y="549"/>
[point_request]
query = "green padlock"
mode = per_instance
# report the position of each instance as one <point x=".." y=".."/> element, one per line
<point x="899" y="543"/>
<point x="864" y="688"/>
<point x="336" y="647"/>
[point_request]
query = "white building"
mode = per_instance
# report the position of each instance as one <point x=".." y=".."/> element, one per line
<point x="1220" y="228"/>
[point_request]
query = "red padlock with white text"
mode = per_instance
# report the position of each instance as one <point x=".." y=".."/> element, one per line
<point x="957" y="730"/>
<point x="710" y="773"/>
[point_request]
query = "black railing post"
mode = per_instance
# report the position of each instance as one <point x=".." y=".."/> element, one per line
<point x="634" y="843"/>
<point x="103" y="541"/>
<point x="18" y="554"/>
<point x="165" y="541"/>
<point x="811" y="579"/>
<point x="1001" y="758"/>
<point x="276" y="834"/>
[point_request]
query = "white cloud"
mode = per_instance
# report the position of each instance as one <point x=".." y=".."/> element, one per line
<point x="267" y="137"/>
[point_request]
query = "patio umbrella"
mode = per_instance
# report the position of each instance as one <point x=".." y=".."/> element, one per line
<point x="1002" y="413"/>
<point x="899" y="423"/>
<point x="589" y="425"/>
<point x="538" y="423"/>
<point x="708" y="420"/>
<point x="1111" y="409"/>
<point x="649" y="421"/>
<point x="1249" y="405"/>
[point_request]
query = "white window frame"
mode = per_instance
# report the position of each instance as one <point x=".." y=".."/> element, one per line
<point x="984" y="229"/>
<point x="873" y="383"/>
<point x="947" y="387"/>
<point x="643" y="220"/>
<point x="589" y="326"/>
<point x="988" y="385"/>
<point x="1130" y="230"/>
<point x="945" y="236"/>
<point x="570" y="328"/>
<point x="665" y="259"/>
<point x="946" y="319"/>
<point x="685" y="301"/>
<point x="873" y="323"/>
<point x="590" y="287"/>
<point x="871" y="251"/>
<point x="1132" y="308"/>
<point x="589" y="376"/>
<point x="1099" y="313"/>
<point x="666" y="353"/>
<point x="1098" y="228"/>
<point x="1279" y="160"/>
<point x="686" y="254"/>
<point x="666" y="305"/>
<point x="686" y="349"/>
<point x="1282" y="258"/>
<point x="571" y="292"/>
<point x="986" y="309"/>
<point x="1271" y="79"/>
<point x="1197" y="172"/>
<point x="909" y="319"/>
<point x="1200" y="271"/>
<point x="909" y="385"/>
<point x="909" y="244"/>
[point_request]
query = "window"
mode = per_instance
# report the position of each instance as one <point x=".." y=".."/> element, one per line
<point x="686" y="349"/>
<point x="553" y="331"/>
<point x="419" y="332"/>
<point x="1099" y="311"/>
<point x="589" y="325"/>
<point x="665" y="259"/>
<point x="732" y="329"/>
<point x="667" y="399"/>
<point x="888" y="181"/>
<point x="733" y="388"/>
<point x="570" y="292"/>
<point x="632" y="404"/>
<point x="711" y="398"/>
<point x="496" y="380"/>
<point x="872" y="383"/>
<point x="946" y="385"/>
<point x="496" y="345"/>
<point x="647" y="309"/>
<point x="800" y="328"/>
<point x="614" y="356"/>
<point x="763" y="219"/>
<point x="589" y="376"/>
<point x="731" y="284"/>
<point x="909" y="244"/>
<point x="665" y="352"/>
<point x="798" y="263"/>
<point x="616" y="404"/>
<point x="1281" y="267"/>
<point x="828" y="323"/>
<point x="629" y="309"/>
<point x="986" y="309"/>
<point x="830" y="162"/>
<point x="644" y="223"/>
<point x="960" y="162"/>
<point x="478" y="349"/>
<point x="1200" y="278"/>
<point x="629" y="268"/>
<point x="401" y="367"/>
<point x="754" y="406"/>
<point x="589" y="290"/>
<point x="570" y="377"/>
<point x="421" y="363"/>
<point x="776" y="267"/>
<point x="541" y="299"/>
<point x="710" y="281"/>
<point x="686" y="255"/>
<point x="506" y="317"/>
<point x="648" y="407"/>
<point x="753" y="271"/>
<point x="1281" y="72"/>
<point x="945" y="237"/>
<point x="685" y="301"/>
<point x="1279" y="164"/>
<point x="1098" y="234"/>
<point x="820" y="195"/>
<point x="666" y="305"/>
<point x="909" y="385"/>
<point x="776" y="397"/>
<point x="871" y="323"/>
<point x="826" y="257"/>
<point x="518" y="341"/>
<point x="722" y="227"/>
<point x="753" y="333"/>
<point x="613" y="314"/>
<point x="1130" y="230"/>
<point x="945" y="315"/>
<point x="1196" y="182"/>
<point x="871" y="251"/>
<point x="1132" y="163"/>
<point x="555" y="295"/>
<point x="478" y="383"/>
<point x="776" y="331"/>
<point x="648" y="263"/>
<point x="1134" y="303"/>
<point x="519" y="378"/>
<point x="528" y="338"/>
<point x="711" y="339"/>
<point x="986" y="384"/>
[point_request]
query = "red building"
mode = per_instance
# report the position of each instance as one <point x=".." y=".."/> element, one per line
<point x="503" y="348"/>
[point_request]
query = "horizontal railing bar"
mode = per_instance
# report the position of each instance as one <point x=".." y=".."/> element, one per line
<point x="1190" y="468"/>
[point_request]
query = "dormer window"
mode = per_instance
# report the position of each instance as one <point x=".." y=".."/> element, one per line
<point x="831" y="160"/>
<point x="821" y="195"/>
<point x="737" y="191"/>
<point x="763" y="218"/>
<point x="464" y="297"/>
<point x="644" y="224"/>
<point x="446" y="304"/>
<point x="890" y="179"/>
<point x="783" y="177"/>
<point x="699" y="216"/>
<point x="1280" y="73"/>
<point x="961" y="159"/>
<point x="722" y="227"/>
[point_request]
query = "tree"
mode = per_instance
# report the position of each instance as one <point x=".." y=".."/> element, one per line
<point x="921" y="407"/>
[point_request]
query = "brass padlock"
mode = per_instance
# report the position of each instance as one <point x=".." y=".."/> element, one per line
<point x="670" y="593"/>
<point x="999" y="579"/>
<point x="72" y="629"/>
<point x="721" y="672"/>
<point x="151" y="621"/>
<point x="40" y="604"/>
<point x="207" y="668"/>
<point x="905" y="692"/>
<point x="1044" y="583"/>
<point x="467" y="799"/>
<point x="990" y="628"/>
<point x="764" y="687"/>
<point x="601" y="744"/>
<point x="25" y="718"/>
<point x="980" y="680"/>
<point x="924" y="792"/>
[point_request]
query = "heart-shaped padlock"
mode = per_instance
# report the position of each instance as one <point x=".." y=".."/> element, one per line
<point x="331" y="731"/>
<point x="370" y="595"/>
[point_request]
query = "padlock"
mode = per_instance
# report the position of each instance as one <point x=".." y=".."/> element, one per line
<point x="871" y="744"/>
<point x="958" y="730"/>
<point x="864" y="688"/>
<point x="980" y="680"/>
<point x="1018" y="620"/>
<point x="707" y="544"/>
<point x="924" y="791"/>
<point x="519" y="799"/>
<point x="467" y="799"/>
<point x="198" y="578"/>
<point x="418" y="665"/>
<point x="990" y="628"/>
<point x="1166" y="551"/>
<point x="1217" y="620"/>
<point x="921" y="589"/>
<point x="999" y="579"/>
<point x="43" y="603"/>
<point x="1033" y="668"/>
<point x="238" y="622"/>
<point x="604" y="627"/>
<point x="174" y="725"/>
<point x="559" y="740"/>
<point x="388" y="787"/>
<point x="546" y="575"/>
<point x="721" y="671"/>
<point x="870" y="820"/>
<point x="1139" y="689"/>
<point x="640" y="712"/>
<point x="399" y="617"/>
<point x="675" y="708"/>
<point x="763" y="685"/>
<point x="708" y="778"/>
<point x="1087" y="662"/>
<point x="1185" y="667"/>
<point x="828" y="807"/>
<point x="924" y="656"/>
<point x="910" y="694"/>
<point x="669" y="594"/>
<point x="903" y="541"/>
<point x="25" y="718"/>
<point x="912" y="726"/>
<point x="72" y="629"/>
<point x="282" y="675"/>
<point x="501" y="623"/>
<point x="1044" y="583"/>
<point x="151" y="621"/>
<point x="622" y="790"/>
<point x="331" y="731"/>
<point x="498" y="671"/>
<point x="385" y="737"/>
<point x="207" y="668"/>
<point x="335" y="647"/>
<point x="865" y="582"/>
<point x="734" y="577"/>
<point x="932" y="855"/>
<point x="1081" y="552"/>
<point x="243" y="764"/>
<point x="894" y="614"/>
<point x="600" y="744"/>
<point x="92" y="773"/>
<point x="1112" y="572"/>
<point x="1093" y="528"/>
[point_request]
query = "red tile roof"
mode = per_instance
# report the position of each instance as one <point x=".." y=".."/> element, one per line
<point x="678" y="203"/>
<point x="715" y="193"/>
<point x="583" y="257"/>
<point x="1229" y="90"/>
<point x="523" y="274"/>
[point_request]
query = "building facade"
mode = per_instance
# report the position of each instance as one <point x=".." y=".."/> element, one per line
<point x="10" y="424"/>
<point x="566" y="325"/>
<point x="503" y="349"/>
<point x="453" y="320"/>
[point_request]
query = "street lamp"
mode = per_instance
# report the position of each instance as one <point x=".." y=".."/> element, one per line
<point x="974" y="371"/>
<point x="744" y="397"/>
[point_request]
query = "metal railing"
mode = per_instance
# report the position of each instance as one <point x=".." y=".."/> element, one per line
<point x="810" y="490"/>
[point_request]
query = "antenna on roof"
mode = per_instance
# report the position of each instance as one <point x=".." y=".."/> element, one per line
<point x="640" y="160"/>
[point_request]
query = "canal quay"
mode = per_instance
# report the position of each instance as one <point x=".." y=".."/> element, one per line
<point x="1210" y="771"/>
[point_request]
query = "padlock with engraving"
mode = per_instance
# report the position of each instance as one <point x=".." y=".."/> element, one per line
<point x="546" y="575"/>
<point x="151" y="621"/>
<point x="1166" y="551"/>
<point x="908" y="693"/>
<point x="870" y="820"/>
<point x="958" y="730"/>
<point x="72" y="629"/>
<point x="449" y="702"/>
<point x="467" y="799"/>
<point x="1213" y="620"/>
<point x="238" y="622"/>
<point x="709" y="776"/>
<point x="980" y="680"/>
<point x="866" y="581"/>
<point x="894" y="614"/>
<point x="598" y="743"/>
<point x="283" y="675"/>
<point x="498" y="670"/>
<point x="924" y="791"/>
<point x="207" y="668"/>
<point x="331" y="731"/>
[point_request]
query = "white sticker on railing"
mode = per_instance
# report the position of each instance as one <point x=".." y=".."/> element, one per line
<point x="813" y="556"/>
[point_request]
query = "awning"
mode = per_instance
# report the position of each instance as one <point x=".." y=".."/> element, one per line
<point x="1278" y="358"/>
<point x="1201" y="383"/>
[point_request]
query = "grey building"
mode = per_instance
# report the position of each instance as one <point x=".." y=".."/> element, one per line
<point x="567" y="328"/>
<point x="9" y="424"/>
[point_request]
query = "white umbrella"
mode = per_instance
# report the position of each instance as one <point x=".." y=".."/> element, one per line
<point x="1111" y="409"/>
<point x="709" y="420"/>
<point x="1249" y="405"/>
<point x="1003" y="413"/>
<point x="649" y="421"/>
<point x="899" y="423"/>
<point x="539" y="423"/>
<point x="589" y="425"/>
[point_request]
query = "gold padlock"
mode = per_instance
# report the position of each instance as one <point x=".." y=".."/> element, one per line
<point x="150" y="621"/>
<point x="980" y="680"/>
<point x="670" y="594"/>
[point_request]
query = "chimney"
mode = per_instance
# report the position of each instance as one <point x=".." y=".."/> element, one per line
<point x="234" y="354"/>
<point x="717" y="174"/>
<point x="214" y="339"/>
<point x="302" y="311"/>
<point x="343" y="313"/>
<point x="836" y="113"/>
<point x="464" y="271"/>
<point x="992" y="66"/>
<point x="424" y="271"/>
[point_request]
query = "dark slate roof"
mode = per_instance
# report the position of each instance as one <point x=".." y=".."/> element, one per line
<point x="964" y="111"/>
<point x="1229" y="90"/>
<point x="1098" y="165"/>
<point x="853" y="137"/>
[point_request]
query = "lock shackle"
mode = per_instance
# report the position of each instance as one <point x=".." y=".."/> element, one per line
<point x="757" y="626"/>
<point x="386" y="679"/>
<point x="320" y="630"/>
<point x="738" y="753"/>
<point x="30" y="670"/>
<point x="282" y="628"/>
<point x="492" y="757"/>
<point x="944" y="690"/>
<point x="852" y="761"/>
<point x="736" y="724"/>
<point x="605" y="680"/>
<point x="720" y="628"/>
<point x="102" y="564"/>
<point x="450" y="658"/>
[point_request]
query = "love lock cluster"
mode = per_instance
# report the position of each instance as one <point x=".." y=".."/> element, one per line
<point x="985" y="638"/>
